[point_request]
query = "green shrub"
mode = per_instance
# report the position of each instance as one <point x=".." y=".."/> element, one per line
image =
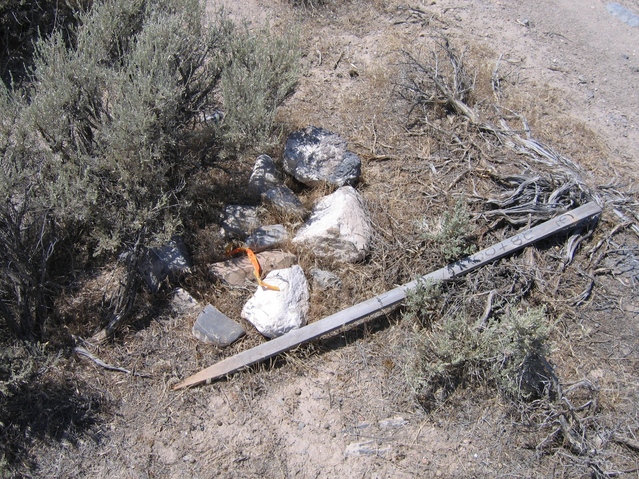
<point x="422" y="301"/>
<point x="262" y="72"/>
<point x="453" y="233"/>
<point x="508" y="353"/>
<point x="93" y="150"/>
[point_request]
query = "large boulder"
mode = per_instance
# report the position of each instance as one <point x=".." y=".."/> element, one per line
<point x="339" y="227"/>
<point x="274" y="313"/>
<point x="315" y="156"/>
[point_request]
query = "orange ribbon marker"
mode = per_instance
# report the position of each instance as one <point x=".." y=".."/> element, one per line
<point x="257" y="269"/>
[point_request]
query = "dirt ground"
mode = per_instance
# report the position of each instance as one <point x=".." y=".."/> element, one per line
<point x="341" y="407"/>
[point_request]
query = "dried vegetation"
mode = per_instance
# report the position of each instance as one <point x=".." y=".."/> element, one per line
<point x="449" y="165"/>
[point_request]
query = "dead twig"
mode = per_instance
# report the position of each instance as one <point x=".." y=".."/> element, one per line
<point x="83" y="352"/>
<point x="625" y="219"/>
<point x="487" y="311"/>
<point x="625" y="441"/>
<point x="495" y="80"/>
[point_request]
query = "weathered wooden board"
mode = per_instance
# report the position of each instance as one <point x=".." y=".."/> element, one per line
<point x="390" y="298"/>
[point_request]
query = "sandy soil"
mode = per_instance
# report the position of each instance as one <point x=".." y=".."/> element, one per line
<point x="576" y="47"/>
<point x="338" y="408"/>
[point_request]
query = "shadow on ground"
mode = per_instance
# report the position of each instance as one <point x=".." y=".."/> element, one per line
<point x="48" y="411"/>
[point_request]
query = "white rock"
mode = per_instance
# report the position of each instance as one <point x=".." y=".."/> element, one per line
<point x="275" y="313"/>
<point x="339" y="227"/>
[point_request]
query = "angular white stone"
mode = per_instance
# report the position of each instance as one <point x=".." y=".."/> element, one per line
<point x="339" y="227"/>
<point x="275" y="313"/>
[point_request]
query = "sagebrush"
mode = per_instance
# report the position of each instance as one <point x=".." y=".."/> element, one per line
<point x="453" y="233"/>
<point x="92" y="148"/>
<point x="509" y="353"/>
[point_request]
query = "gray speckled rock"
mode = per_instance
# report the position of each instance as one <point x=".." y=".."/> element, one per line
<point x="165" y="262"/>
<point x="267" y="183"/>
<point x="284" y="200"/>
<point x="315" y="156"/>
<point x="240" y="220"/>
<point x="323" y="280"/>
<point x="216" y="328"/>
<point x="267" y="237"/>
<point x="182" y="302"/>
<point x="264" y="176"/>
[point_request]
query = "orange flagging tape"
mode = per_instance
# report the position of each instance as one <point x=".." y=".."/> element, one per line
<point x="257" y="269"/>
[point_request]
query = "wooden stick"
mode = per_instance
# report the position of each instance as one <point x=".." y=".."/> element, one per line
<point x="391" y="298"/>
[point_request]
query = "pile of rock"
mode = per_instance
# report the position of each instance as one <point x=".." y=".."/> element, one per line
<point x="337" y="228"/>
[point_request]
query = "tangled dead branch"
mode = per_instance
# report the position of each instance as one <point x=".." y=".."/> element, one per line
<point x="435" y="84"/>
<point x="444" y="84"/>
<point x="531" y="198"/>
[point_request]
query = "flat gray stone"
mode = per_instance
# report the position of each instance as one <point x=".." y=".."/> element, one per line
<point x="214" y="327"/>
<point x="284" y="200"/>
<point x="267" y="237"/>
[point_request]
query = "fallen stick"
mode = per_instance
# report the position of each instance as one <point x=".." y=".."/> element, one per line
<point x="390" y="298"/>
<point x="83" y="352"/>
